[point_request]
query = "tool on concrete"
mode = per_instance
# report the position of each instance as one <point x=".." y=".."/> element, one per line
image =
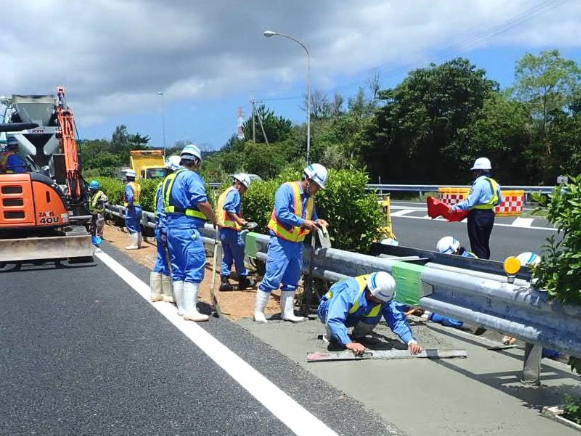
<point x="217" y="255"/>
<point x="502" y="347"/>
<point x="430" y="353"/>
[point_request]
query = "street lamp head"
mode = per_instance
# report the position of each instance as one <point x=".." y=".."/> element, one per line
<point x="269" y="33"/>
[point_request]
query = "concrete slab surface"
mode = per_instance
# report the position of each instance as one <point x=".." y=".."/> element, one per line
<point x="479" y="395"/>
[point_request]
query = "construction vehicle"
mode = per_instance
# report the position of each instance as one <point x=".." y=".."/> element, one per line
<point x="148" y="164"/>
<point x="44" y="211"/>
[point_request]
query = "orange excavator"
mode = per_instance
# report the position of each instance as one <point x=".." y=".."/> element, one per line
<point x="43" y="207"/>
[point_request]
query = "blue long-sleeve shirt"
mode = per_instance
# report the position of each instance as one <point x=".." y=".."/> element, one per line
<point x="480" y="193"/>
<point x="335" y="312"/>
<point x="16" y="164"/>
<point x="284" y="206"/>
<point x="129" y="194"/>
<point x="159" y="208"/>
<point x="188" y="190"/>
<point x="233" y="202"/>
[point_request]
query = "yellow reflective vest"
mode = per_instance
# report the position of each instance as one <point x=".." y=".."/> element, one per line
<point x="295" y="233"/>
<point x="224" y="219"/>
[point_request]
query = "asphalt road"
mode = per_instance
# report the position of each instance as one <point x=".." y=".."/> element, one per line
<point x="510" y="235"/>
<point x="82" y="353"/>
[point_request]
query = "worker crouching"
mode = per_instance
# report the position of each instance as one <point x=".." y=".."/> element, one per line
<point x="133" y="210"/>
<point x="360" y="303"/>
<point x="293" y="218"/>
<point x="187" y="209"/>
<point x="230" y="220"/>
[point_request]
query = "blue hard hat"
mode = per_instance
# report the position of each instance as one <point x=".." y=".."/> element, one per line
<point x="94" y="185"/>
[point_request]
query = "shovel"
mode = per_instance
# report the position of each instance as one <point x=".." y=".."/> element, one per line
<point x="217" y="254"/>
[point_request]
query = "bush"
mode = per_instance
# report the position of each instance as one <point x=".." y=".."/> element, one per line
<point x="353" y="214"/>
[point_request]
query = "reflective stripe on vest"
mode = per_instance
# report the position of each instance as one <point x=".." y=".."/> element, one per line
<point x="223" y="216"/>
<point x="296" y="233"/>
<point x="362" y="281"/>
<point x="166" y="192"/>
<point x="93" y="203"/>
<point x="136" y="194"/>
<point x="159" y="186"/>
<point x="494" y="199"/>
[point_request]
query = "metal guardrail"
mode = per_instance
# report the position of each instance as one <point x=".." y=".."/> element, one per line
<point x="477" y="297"/>
<point x="434" y="188"/>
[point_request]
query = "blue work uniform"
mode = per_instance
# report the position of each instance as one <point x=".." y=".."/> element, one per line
<point x="187" y="251"/>
<point x="232" y="240"/>
<point x="336" y="310"/>
<point x="285" y="258"/>
<point x="483" y="197"/>
<point x="15" y="164"/>
<point x="132" y="210"/>
<point x="161" y="263"/>
<point x="469" y="255"/>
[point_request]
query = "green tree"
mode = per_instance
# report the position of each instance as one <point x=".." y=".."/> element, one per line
<point x="277" y="128"/>
<point x="420" y="117"/>
<point x="547" y="84"/>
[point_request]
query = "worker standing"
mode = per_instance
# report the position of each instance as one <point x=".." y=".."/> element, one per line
<point x="483" y="197"/>
<point x="230" y="220"/>
<point x="360" y="303"/>
<point x="132" y="210"/>
<point x="97" y="202"/>
<point x="160" y="278"/>
<point x="11" y="161"/>
<point x="293" y="218"/>
<point x="187" y="209"/>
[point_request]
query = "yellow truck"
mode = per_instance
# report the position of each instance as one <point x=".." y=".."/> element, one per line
<point x="148" y="164"/>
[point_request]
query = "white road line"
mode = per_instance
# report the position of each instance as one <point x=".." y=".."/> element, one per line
<point x="522" y="222"/>
<point x="281" y="405"/>
<point x="495" y="224"/>
<point x="402" y="212"/>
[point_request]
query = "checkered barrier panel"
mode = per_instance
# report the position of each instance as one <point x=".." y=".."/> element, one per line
<point x="512" y="205"/>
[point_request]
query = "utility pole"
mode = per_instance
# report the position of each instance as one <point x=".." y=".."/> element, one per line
<point x="253" y="121"/>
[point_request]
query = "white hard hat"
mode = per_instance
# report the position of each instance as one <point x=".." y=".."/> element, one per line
<point x="381" y="285"/>
<point x="191" y="151"/>
<point x="130" y="173"/>
<point x="529" y="259"/>
<point x="242" y="178"/>
<point x="173" y="162"/>
<point x="482" y="163"/>
<point x="317" y="173"/>
<point x="448" y="245"/>
<point x="389" y="241"/>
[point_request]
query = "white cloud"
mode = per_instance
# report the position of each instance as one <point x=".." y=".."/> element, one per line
<point x="114" y="55"/>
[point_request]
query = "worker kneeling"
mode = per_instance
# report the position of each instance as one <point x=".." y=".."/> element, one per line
<point x="360" y="302"/>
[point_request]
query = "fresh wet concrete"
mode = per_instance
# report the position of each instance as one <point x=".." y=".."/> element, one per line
<point x="479" y="395"/>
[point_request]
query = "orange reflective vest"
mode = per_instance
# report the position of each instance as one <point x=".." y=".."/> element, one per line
<point x="136" y="194"/>
<point x="295" y="233"/>
<point x="224" y="219"/>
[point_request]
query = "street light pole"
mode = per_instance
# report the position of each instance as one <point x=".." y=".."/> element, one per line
<point x="270" y="33"/>
<point x="162" y="119"/>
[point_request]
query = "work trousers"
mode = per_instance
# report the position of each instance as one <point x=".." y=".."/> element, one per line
<point x="161" y="263"/>
<point x="480" y="224"/>
<point x="283" y="265"/>
<point x="133" y="219"/>
<point x="187" y="251"/>
<point x="98" y="224"/>
<point x="233" y="247"/>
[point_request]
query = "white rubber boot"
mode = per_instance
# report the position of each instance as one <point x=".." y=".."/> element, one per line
<point x="287" y="307"/>
<point x="155" y="285"/>
<point x="132" y="241"/>
<point x="190" y="302"/>
<point x="259" y="306"/>
<point x="178" y="292"/>
<point x="139" y="239"/>
<point x="167" y="289"/>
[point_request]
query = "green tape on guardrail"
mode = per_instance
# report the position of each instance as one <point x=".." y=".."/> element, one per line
<point x="251" y="244"/>
<point x="408" y="280"/>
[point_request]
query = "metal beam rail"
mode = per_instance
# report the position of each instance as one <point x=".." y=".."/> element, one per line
<point x="480" y="298"/>
<point x="381" y="188"/>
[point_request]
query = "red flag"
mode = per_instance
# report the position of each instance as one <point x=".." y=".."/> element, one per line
<point x="437" y="208"/>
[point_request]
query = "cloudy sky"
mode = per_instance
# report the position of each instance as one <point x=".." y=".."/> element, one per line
<point x="209" y="57"/>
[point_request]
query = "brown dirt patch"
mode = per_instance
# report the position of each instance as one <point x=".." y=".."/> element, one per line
<point x="234" y="304"/>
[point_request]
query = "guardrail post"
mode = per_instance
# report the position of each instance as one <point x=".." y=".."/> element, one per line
<point x="531" y="374"/>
